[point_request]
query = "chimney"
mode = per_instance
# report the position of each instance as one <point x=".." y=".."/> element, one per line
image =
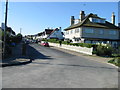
<point x="96" y="15"/>
<point x="72" y="20"/>
<point x="82" y="15"/>
<point x="113" y="18"/>
<point x="59" y="28"/>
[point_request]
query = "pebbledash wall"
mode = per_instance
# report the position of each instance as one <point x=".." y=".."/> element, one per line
<point x="84" y="50"/>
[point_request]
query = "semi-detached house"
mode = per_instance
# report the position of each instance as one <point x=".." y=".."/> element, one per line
<point x="93" y="29"/>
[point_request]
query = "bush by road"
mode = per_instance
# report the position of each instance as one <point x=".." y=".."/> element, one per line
<point x="115" y="61"/>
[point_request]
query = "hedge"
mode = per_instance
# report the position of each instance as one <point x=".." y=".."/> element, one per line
<point x="88" y="45"/>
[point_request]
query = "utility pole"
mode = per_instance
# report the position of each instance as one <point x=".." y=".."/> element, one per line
<point x="6" y="11"/>
<point x="20" y="30"/>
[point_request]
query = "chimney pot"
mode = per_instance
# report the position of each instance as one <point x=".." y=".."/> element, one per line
<point x="95" y="14"/>
<point x="82" y="12"/>
<point x="72" y="20"/>
<point x="82" y="15"/>
<point x="113" y="18"/>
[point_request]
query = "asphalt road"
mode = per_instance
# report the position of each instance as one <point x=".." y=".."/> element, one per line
<point x="52" y="68"/>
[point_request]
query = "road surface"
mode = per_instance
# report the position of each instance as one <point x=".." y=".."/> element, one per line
<point x="52" y="68"/>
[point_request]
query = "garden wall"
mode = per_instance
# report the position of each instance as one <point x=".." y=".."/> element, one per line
<point x="84" y="50"/>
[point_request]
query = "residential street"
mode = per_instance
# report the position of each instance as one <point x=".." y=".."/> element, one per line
<point x="52" y="68"/>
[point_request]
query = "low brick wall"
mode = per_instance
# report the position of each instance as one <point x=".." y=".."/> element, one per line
<point x="84" y="50"/>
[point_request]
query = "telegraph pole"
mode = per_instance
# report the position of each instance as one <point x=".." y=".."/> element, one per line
<point x="20" y="30"/>
<point x="6" y="11"/>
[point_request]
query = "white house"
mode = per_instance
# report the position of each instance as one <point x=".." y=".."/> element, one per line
<point x="44" y="34"/>
<point x="39" y="36"/>
<point x="56" y="34"/>
<point x="93" y="29"/>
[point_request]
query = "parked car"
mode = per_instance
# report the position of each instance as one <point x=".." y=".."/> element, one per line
<point x="44" y="43"/>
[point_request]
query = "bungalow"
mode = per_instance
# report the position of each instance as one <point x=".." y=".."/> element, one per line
<point x="93" y="29"/>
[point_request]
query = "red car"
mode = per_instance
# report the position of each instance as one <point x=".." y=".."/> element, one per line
<point x="44" y="43"/>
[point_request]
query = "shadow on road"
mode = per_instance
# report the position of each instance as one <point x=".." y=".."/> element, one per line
<point x="34" y="54"/>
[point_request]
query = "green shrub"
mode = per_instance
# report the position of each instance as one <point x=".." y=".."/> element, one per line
<point x="65" y="42"/>
<point x="81" y="44"/>
<point x="104" y="50"/>
<point x="94" y="52"/>
<point x="115" y="61"/>
<point x="88" y="45"/>
<point x="100" y="50"/>
<point x="51" y="40"/>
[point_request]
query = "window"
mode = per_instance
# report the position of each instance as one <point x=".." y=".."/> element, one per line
<point x="87" y="41"/>
<point x="77" y="30"/>
<point x="102" y="21"/>
<point x="97" y="20"/>
<point x="89" y="30"/>
<point x="112" y="32"/>
<point x="67" y="32"/>
<point x="101" y="32"/>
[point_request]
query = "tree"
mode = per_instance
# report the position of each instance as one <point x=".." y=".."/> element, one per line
<point x="18" y="38"/>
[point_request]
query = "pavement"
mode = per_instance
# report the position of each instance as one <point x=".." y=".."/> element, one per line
<point x="16" y="58"/>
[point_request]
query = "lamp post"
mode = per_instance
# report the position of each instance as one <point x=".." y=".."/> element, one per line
<point x="6" y="11"/>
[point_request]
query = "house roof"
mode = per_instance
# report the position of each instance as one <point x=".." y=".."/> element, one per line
<point x="9" y="29"/>
<point x="48" y="31"/>
<point x="53" y="31"/>
<point x="39" y="34"/>
<point x="87" y="23"/>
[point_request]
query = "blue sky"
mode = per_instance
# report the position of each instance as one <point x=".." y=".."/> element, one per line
<point x="34" y="17"/>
